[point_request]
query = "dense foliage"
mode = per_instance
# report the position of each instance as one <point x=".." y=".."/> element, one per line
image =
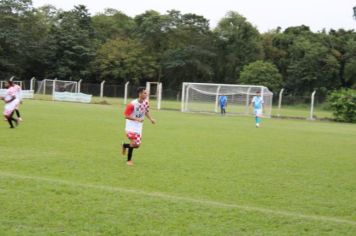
<point x="343" y="104"/>
<point x="47" y="42"/>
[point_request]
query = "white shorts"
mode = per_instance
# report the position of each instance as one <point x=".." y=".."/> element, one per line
<point x="10" y="107"/>
<point x="258" y="112"/>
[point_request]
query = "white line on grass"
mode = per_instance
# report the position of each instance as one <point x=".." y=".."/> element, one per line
<point x="184" y="199"/>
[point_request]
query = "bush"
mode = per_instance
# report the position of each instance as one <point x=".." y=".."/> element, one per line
<point x="343" y="105"/>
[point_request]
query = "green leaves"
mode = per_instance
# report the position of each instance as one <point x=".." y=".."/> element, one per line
<point x="343" y="104"/>
<point x="123" y="60"/>
<point x="173" y="47"/>
<point x="261" y="73"/>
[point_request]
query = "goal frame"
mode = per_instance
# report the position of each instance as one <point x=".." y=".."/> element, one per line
<point x="157" y="95"/>
<point x="54" y="81"/>
<point x="265" y="93"/>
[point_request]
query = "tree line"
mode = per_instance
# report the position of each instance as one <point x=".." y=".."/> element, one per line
<point x="47" y="42"/>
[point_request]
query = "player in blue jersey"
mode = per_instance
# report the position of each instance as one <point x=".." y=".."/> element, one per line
<point x="222" y="104"/>
<point x="257" y="103"/>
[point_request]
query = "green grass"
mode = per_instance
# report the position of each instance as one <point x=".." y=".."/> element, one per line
<point x="61" y="173"/>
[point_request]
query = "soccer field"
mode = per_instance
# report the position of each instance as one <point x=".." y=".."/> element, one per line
<point x="62" y="173"/>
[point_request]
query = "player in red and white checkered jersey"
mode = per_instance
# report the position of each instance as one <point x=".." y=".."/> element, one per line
<point x="135" y="113"/>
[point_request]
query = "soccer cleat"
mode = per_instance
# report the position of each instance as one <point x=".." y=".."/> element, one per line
<point x="123" y="149"/>
<point x="20" y="119"/>
<point x="129" y="163"/>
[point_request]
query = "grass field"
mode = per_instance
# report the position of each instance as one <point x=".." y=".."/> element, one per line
<point x="61" y="173"/>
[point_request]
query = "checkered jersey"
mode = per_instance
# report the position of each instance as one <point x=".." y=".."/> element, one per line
<point x="135" y="109"/>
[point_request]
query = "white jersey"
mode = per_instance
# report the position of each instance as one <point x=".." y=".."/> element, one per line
<point x="135" y="109"/>
<point x="18" y="91"/>
<point x="11" y="106"/>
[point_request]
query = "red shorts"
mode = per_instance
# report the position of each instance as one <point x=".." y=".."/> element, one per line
<point x="134" y="137"/>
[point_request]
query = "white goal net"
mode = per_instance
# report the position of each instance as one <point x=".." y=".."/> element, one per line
<point x="62" y="90"/>
<point x="48" y="86"/>
<point x="204" y="97"/>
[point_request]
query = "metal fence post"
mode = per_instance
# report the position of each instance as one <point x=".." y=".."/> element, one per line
<point x="280" y="102"/>
<point x="102" y="88"/>
<point x="32" y="83"/>
<point x="312" y="106"/>
<point x="126" y="91"/>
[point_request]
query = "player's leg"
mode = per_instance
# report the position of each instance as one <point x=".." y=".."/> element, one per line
<point x="135" y="141"/>
<point x="125" y="146"/>
<point x="10" y="119"/>
<point x="17" y="111"/>
<point x="258" y="117"/>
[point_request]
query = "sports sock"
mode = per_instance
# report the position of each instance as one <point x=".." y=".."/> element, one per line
<point x="10" y="119"/>
<point x="129" y="154"/>
<point x="17" y="113"/>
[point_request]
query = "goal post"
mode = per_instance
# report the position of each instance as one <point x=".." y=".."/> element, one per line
<point x="154" y="90"/>
<point x="49" y="86"/>
<point x="204" y="97"/>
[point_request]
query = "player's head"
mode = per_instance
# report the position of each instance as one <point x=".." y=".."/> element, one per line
<point x="258" y="93"/>
<point x="9" y="84"/>
<point x="142" y="93"/>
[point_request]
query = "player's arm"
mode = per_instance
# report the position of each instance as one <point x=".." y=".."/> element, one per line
<point x="10" y="100"/>
<point x="148" y="115"/>
<point x="134" y="119"/>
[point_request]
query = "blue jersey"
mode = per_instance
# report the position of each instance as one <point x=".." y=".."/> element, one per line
<point x="257" y="102"/>
<point x="222" y="101"/>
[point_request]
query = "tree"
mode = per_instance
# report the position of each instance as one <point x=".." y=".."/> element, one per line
<point x="238" y="43"/>
<point x="313" y="67"/>
<point x="73" y="43"/>
<point x="15" y="36"/>
<point x="190" y="53"/>
<point x="121" y="60"/>
<point x="112" y="24"/>
<point x="261" y="73"/>
<point x="189" y="63"/>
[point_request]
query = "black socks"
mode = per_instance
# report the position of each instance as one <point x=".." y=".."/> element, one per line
<point x="10" y="119"/>
<point x="17" y="113"/>
<point x="129" y="154"/>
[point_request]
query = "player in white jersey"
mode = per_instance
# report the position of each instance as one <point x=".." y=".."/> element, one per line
<point x="11" y="101"/>
<point x="135" y="113"/>
<point x="257" y="103"/>
<point x="18" y="92"/>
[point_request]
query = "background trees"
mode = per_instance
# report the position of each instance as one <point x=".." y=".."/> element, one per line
<point x="173" y="47"/>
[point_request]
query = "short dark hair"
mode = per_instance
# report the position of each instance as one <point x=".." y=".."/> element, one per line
<point x="140" y="90"/>
<point x="10" y="82"/>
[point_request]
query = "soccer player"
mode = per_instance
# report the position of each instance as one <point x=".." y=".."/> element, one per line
<point x="257" y="103"/>
<point x="223" y="104"/>
<point x="10" y="103"/>
<point x="18" y="92"/>
<point x="135" y="113"/>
